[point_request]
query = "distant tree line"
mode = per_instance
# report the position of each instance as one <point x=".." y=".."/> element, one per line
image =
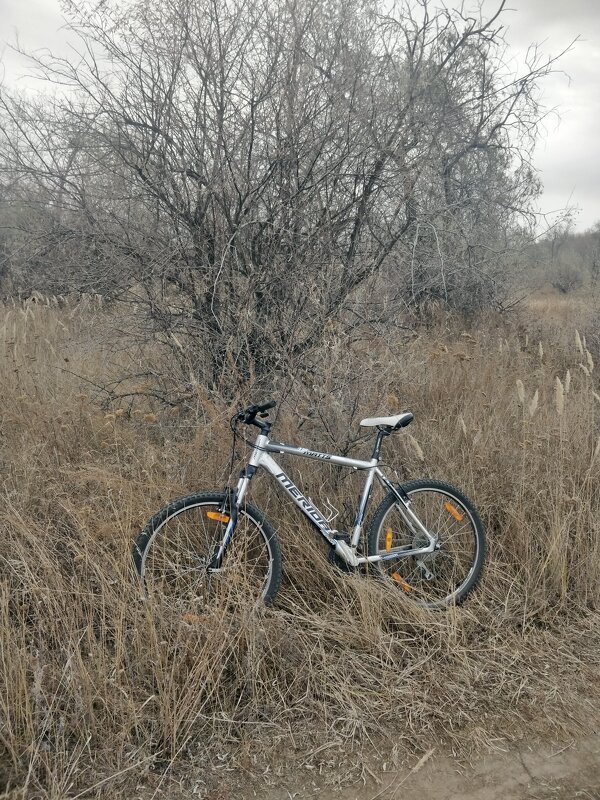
<point x="569" y="260"/>
<point x="257" y="174"/>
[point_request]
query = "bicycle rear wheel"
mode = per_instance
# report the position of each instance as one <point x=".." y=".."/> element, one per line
<point x="173" y="551"/>
<point x="450" y="573"/>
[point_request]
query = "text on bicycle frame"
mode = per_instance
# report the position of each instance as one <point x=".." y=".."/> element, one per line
<point x="302" y="501"/>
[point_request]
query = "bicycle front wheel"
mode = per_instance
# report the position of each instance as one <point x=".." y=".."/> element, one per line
<point x="173" y="552"/>
<point x="447" y="575"/>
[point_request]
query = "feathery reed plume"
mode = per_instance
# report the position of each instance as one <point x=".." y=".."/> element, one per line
<point x="461" y="422"/>
<point x="578" y="343"/>
<point x="534" y="403"/>
<point x="520" y="391"/>
<point x="585" y="369"/>
<point x="590" y="360"/>
<point x="559" y="396"/>
<point x="596" y="396"/>
<point x="416" y="447"/>
<point x="567" y="381"/>
<point x="541" y="351"/>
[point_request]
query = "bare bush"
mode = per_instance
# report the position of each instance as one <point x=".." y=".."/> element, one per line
<point x="566" y="278"/>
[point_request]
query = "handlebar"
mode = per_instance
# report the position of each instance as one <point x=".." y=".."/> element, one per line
<point x="248" y="415"/>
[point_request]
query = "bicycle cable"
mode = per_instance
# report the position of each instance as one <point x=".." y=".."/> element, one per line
<point x="233" y="425"/>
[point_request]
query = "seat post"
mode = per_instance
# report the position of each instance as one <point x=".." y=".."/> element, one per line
<point x="381" y="434"/>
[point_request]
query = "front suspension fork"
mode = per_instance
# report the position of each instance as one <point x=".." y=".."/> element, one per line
<point x="235" y="497"/>
<point x="231" y="509"/>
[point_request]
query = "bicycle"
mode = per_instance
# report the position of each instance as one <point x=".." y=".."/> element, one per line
<point x="426" y="538"/>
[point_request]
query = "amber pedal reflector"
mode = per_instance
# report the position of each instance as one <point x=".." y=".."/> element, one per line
<point x="406" y="587"/>
<point x="216" y="515"/>
<point x="454" y="511"/>
<point x="388" y="539"/>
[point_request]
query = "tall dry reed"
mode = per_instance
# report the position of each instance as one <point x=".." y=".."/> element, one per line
<point x="101" y="693"/>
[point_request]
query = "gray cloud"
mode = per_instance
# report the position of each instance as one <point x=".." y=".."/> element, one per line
<point x="34" y="25"/>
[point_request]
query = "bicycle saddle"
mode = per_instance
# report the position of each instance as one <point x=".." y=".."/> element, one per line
<point x="395" y="423"/>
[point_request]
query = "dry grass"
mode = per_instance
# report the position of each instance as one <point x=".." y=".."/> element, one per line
<point x="102" y="695"/>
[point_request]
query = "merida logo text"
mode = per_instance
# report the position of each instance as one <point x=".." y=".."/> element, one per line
<point x="301" y="500"/>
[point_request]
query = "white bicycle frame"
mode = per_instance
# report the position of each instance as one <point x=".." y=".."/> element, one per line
<point x="261" y="457"/>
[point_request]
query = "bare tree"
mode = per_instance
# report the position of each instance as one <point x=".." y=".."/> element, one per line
<point x="256" y="173"/>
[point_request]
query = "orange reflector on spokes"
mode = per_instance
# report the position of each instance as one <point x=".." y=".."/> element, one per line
<point x="216" y="515"/>
<point x="453" y="510"/>
<point x="388" y="539"/>
<point x="406" y="587"/>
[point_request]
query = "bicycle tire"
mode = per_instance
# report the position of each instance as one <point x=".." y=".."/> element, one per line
<point x="171" y="560"/>
<point x="456" y="518"/>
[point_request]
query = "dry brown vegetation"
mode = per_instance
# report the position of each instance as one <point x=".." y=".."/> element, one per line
<point x="102" y="696"/>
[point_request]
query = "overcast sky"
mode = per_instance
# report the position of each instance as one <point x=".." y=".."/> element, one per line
<point x="568" y="156"/>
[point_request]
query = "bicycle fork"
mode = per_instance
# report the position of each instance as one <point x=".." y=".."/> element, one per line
<point x="232" y="504"/>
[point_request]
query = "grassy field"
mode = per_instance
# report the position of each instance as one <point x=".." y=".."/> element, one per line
<point x="101" y="695"/>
